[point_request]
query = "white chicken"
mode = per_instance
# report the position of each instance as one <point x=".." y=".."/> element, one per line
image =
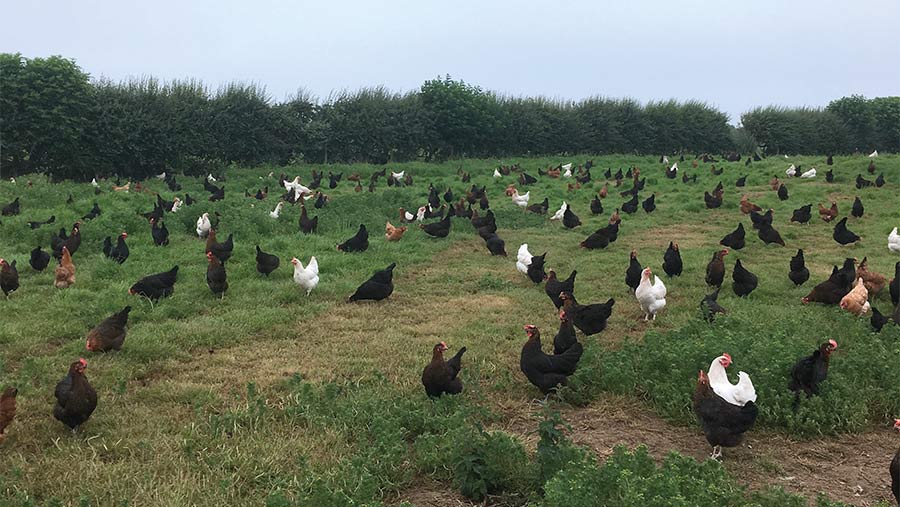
<point x="520" y="200"/>
<point x="420" y="213"/>
<point x="497" y="174"/>
<point x="523" y="259"/>
<point x="211" y="178"/>
<point x="874" y="154"/>
<point x="161" y="176"/>
<point x="741" y="393"/>
<point x="398" y="176"/>
<point x="567" y="167"/>
<point x="809" y="174"/>
<point x="94" y="183"/>
<point x="304" y="193"/>
<point x="289" y="185"/>
<point x="674" y="168"/>
<point x="277" y="211"/>
<point x="203" y="225"/>
<point x="791" y="171"/>
<point x="894" y="241"/>
<point x="568" y="173"/>
<point x="176" y="205"/>
<point x="652" y="298"/>
<point x="665" y="160"/>
<point x="562" y="211"/>
<point x="307" y="277"/>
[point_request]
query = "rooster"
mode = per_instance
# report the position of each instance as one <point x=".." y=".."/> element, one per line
<point x="65" y="272"/>
<point x="857" y="300"/>
<point x="7" y="409"/>
<point x="440" y="376"/>
<point x="652" y="298"/>
<point x="76" y="400"/>
<point x="307" y="277"/>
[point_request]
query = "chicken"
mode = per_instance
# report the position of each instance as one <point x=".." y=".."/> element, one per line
<point x="72" y="242"/>
<point x="7" y="409"/>
<point x="392" y="233"/>
<point x="266" y="263"/>
<point x="631" y="205"/>
<point x="873" y="281"/>
<point x="109" y="334"/>
<point x="744" y="282"/>
<point x="601" y="238"/>
<point x="156" y="286"/>
<point x="222" y="251"/>
<point x="570" y="219"/>
<point x="857" y="300"/>
<point x="878" y="320"/>
<point x="760" y="220"/>
<point x="747" y="206"/>
<point x="633" y="272"/>
<point x="65" y="272"/>
<point x="497" y="174"/>
<point x="159" y="232"/>
<point x="494" y="243"/>
<point x="39" y="259"/>
<point x="874" y="154"/>
<point x="723" y="423"/>
<point x="791" y="171"/>
<point x="11" y="209"/>
<point x="275" y="213"/>
<point x="35" y="225"/>
<point x="120" y="252"/>
<point x="811" y="173"/>
<point x="565" y="337"/>
<point x="742" y="181"/>
<point x="802" y="215"/>
<point x="124" y="188"/>
<point x="376" y="288"/>
<point x="715" y="270"/>
<point x="306" y="277"/>
<point x="894" y="241"/>
<point x="783" y="192"/>
<point x="216" y="277"/>
<point x="439" y="376"/>
<point x="560" y="212"/>
<point x="798" y="273"/>
<point x="615" y="218"/>
<point x="710" y="306"/>
<point x="769" y="235"/>
<point x="737" y="394"/>
<point x="176" y="205"/>
<point x="9" y="277"/>
<point x="554" y="287"/>
<point x="590" y="319"/>
<point x="828" y="214"/>
<point x="857" y="210"/>
<point x="523" y="259"/>
<point x="672" y="264"/>
<point x="735" y="238"/>
<point x="358" y="243"/>
<point x="545" y="371"/>
<point x="203" y="225"/>
<point x="829" y="176"/>
<point x="307" y="225"/>
<point x="651" y="297"/>
<point x="596" y="206"/>
<point x="76" y="400"/>
<point x="843" y="235"/>
<point x="775" y="183"/>
<point x="520" y="200"/>
<point x="440" y="229"/>
<point x="808" y="372"/>
<point x="894" y="285"/>
<point x="540" y="208"/>
<point x="712" y="202"/>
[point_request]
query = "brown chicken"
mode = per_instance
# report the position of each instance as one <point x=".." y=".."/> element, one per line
<point x="110" y="334"/>
<point x="392" y="233"/>
<point x="123" y="188"/>
<point x="65" y="272"/>
<point x="7" y="409"/>
<point x="574" y="187"/>
<point x="828" y="214"/>
<point x="775" y="183"/>
<point x="747" y="206"/>
<point x="604" y="191"/>
<point x="874" y="282"/>
<point x="553" y="173"/>
<point x="857" y="300"/>
<point x="353" y="177"/>
<point x="510" y="190"/>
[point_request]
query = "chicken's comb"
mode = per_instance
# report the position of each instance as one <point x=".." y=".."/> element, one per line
<point x="82" y="361"/>
<point x="897" y="423"/>
<point x="832" y="343"/>
<point x="727" y="356"/>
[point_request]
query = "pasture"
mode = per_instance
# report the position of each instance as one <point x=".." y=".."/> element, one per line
<point x="272" y="397"/>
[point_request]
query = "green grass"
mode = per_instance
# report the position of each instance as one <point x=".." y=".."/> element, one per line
<point x="176" y="424"/>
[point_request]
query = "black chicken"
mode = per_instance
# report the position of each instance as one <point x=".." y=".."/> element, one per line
<point x="216" y="277"/>
<point x="35" y="225"/>
<point x="879" y="181"/>
<point x="857" y="210"/>
<point x="76" y="400"/>
<point x="783" y="192"/>
<point x="710" y="306"/>
<point x="715" y="270"/>
<point x="712" y="201"/>
<point x="540" y="208"/>
<point x="590" y="319"/>
<point x="376" y="288"/>
<point x="307" y="225"/>
<point x="118" y="253"/>
<point x="11" y="209"/>
<point x="894" y="285"/>
<point x="649" y="204"/>
<point x="843" y="235"/>
<point x="742" y="181"/>
<point x="358" y="243"/>
<point x="878" y="320"/>
<point x="9" y="277"/>
<point x="554" y="287"/>
<point x="159" y="232"/>
<point x="802" y="214"/>
<point x="598" y="239"/>
<point x="546" y="371"/>
<point x="441" y="376"/>
<point x="735" y="238"/>
<point x="217" y="195"/>
<point x="439" y="229"/>
<point x="633" y="272"/>
<point x="724" y="424"/>
<point x="570" y="219"/>
<point x="565" y="338"/>
<point x="596" y="206"/>
<point x="798" y="273"/>
<point x="222" y="251"/>
<point x="265" y="262"/>
<point x="769" y="235"/>
<point x="495" y="244"/>
<point x="862" y="182"/>
<point x="156" y="286"/>
<point x="744" y="281"/>
<point x="631" y="205"/>
<point x="809" y="372"/>
<point x="39" y="259"/>
<point x="759" y="220"/>
<point x="536" y="271"/>
<point x="672" y="264"/>
<point x="829" y="175"/>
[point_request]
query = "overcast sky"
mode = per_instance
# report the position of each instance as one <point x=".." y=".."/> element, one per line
<point x="734" y="54"/>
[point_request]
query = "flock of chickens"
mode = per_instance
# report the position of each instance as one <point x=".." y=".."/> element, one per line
<point x="726" y="411"/>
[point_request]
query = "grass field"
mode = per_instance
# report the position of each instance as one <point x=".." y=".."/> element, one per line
<point x="270" y="397"/>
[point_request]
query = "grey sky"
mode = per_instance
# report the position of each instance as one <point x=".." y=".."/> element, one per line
<point x="734" y="54"/>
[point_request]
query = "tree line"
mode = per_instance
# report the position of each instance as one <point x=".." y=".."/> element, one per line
<point x="55" y="118"/>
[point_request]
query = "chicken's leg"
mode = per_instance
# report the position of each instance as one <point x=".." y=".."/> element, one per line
<point x="717" y="453"/>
